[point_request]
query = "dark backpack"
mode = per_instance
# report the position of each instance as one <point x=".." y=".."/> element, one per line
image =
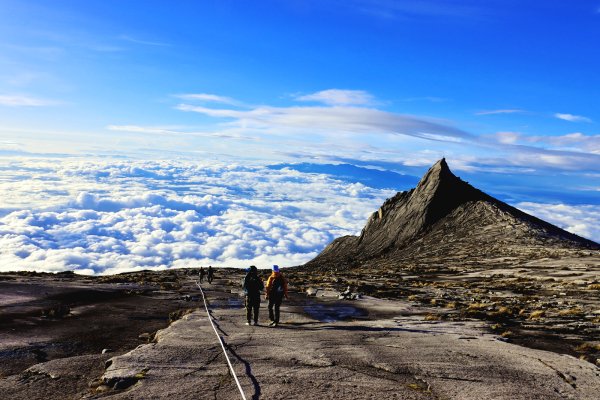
<point x="277" y="286"/>
<point x="253" y="284"/>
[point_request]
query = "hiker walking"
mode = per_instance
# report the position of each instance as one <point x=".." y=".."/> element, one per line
<point x="202" y="273"/>
<point x="276" y="291"/>
<point x="210" y="274"/>
<point x="253" y="285"/>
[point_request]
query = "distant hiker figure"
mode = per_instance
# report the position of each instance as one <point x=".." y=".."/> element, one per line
<point x="210" y="275"/>
<point x="202" y="273"/>
<point x="253" y="285"/>
<point x="276" y="291"/>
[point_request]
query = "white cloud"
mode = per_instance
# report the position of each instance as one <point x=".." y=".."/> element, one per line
<point x="25" y="101"/>
<point x="576" y="141"/>
<point x="503" y="111"/>
<point x="114" y="216"/>
<point x="582" y="220"/>
<point x="327" y="120"/>
<point x="98" y="216"/>
<point x="209" y="98"/>
<point x="339" y="97"/>
<point x="572" y="118"/>
<point x="571" y="142"/>
<point x="507" y="137"/>
<point x="360" y="132"/>
<point x="140" y="129"/>
<point x="157" y="130"/>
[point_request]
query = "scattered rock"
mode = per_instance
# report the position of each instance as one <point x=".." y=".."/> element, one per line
<point x="175" y="315"/>
<point x="312" y="291"/>
<point x="59" y="311"/>
<point x="95" y="383"/>
<point x="102" y="389"/>
<point x="349" y="295"/>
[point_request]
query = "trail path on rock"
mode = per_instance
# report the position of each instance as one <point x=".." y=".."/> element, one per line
<point x="386" y="351"/>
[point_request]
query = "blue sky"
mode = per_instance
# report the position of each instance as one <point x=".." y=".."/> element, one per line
<point x="71" y="69"/>
<point x="506" y="90"/>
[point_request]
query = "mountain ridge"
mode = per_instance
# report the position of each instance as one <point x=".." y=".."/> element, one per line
<point x="447" y="214"/>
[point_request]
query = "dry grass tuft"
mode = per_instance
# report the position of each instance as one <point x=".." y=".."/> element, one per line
<point x="421" y="387"/>
<point x="571" y="311"/>
<point x="537" y="314"/>
<point x="477" y="306"/>
<point x="503" y="311"/>
<point x="585" y="347"/>
<point x="432" y="317"/>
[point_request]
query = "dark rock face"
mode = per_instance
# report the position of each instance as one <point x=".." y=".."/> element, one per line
<point x="446" y="216"/>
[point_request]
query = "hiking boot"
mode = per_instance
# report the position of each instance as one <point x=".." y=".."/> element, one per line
<point x="255" y="323"/>
<point x="273" y="323"/>
<point x="248" y="323"/>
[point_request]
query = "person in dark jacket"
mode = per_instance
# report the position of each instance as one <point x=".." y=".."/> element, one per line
<point x="210" y="274"/>
<point x="276" y="290"/>
<point x="253" y="285"/>
<point x="202" y="273"/>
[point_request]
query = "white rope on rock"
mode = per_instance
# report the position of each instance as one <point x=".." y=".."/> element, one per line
<point x="210" y="319"/>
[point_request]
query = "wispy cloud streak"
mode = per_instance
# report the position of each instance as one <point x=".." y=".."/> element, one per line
<point x="209" y="98"/>
<point x="502" y="111"/>
<point x="337" y="119"/>
<point x="572" y="118"/>
<point x="25" y="101"/>
<point x="339" y="97"/>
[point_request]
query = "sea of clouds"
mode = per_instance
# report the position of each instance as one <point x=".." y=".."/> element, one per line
<point x="110" y="216"/>
<point x="113" y="216"/>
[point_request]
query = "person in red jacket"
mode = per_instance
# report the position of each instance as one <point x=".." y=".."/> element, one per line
<point x="276" y="290"/>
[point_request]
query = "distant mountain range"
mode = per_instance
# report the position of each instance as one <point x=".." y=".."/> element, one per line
<point x="446" y="219"/>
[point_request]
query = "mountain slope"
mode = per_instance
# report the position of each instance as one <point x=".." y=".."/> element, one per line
<point x="446" y="218"/>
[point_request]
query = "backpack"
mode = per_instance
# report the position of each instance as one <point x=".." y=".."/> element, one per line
<point x="277" y="286"/>
<point x="253" y="284"/>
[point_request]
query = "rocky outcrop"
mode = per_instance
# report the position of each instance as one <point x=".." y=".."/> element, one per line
<point x="444" y="214"/>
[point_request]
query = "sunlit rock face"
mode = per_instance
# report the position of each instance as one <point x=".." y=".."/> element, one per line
<point x="446" y="218"/>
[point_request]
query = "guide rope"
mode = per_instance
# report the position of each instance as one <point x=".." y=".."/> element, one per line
<point x="221" y="342"/>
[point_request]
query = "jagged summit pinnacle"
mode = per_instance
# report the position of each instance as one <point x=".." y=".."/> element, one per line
<point x="440" y="191"/>
<point x="444" y="211"/>
<point x="438" y="171"/>
<point x="408" y="214"/>
<point x="438" y="177"/>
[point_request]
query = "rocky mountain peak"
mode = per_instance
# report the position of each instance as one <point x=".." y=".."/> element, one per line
<point x="436" y="174"/>
<point x="445" y="211"/>
<point x="440" y="191"/>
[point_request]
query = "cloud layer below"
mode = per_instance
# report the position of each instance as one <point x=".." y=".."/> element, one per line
<point x="109" y="217"/>
<point x="115" y="216"/>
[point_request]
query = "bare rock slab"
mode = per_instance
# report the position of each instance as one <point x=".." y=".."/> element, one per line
<point x="399" y="357"/>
